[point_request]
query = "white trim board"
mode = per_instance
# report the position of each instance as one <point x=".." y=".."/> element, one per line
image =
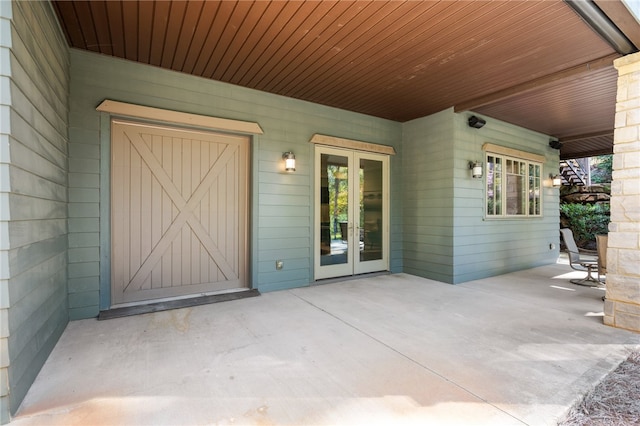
<point x="352" y="144"/>
<point x="139" y="111"/>
<point x="516" y="153"/>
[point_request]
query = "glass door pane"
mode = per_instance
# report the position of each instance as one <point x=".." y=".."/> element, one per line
<point x="371" y="213"/>
<point x="336" y="228"/>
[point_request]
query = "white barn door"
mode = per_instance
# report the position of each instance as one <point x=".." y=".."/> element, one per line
<point x="178" y="212"/>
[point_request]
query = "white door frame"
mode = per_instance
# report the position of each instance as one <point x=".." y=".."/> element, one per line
<point x="354" y="264"/>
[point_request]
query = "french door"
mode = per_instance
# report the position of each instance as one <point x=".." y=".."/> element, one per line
<point x="352" y="212"/>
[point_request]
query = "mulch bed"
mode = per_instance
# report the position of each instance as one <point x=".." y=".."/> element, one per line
<point x="614" y="401"/>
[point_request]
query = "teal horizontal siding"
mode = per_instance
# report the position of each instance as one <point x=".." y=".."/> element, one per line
<point x="83" y="284"/>
<point x="84" y="150"/>
<point x="24" y="258"/>
<point x="290" y="264"/>
<point x="292" y="232"/>
<point x="84" y="165"/>
<point x="489" y="247"/>
<point x="446" y="236"/>
<point x="84" y="225"/>
<point x="84" y="239"/>
<point x="272" y="255"/>
<point x="53" y="317"/>
<point x="265" y="222"/>
<point x="24" y="158"/>
<point x="270" y="210"/>
<point x="284" y="200"/>
<point x="32" y="208"/>
<point x="427" y="159"/>
<point x="37" y="194"/>
<point x="25" y="182"/>
<point x="281" y="205"/>
<point x="84" y="254"/>
<point x="25" y="232"/>
<point x="84" y="269"/>
<point x="84" y="210"/>
<point x="84" y="195"/>
<point x="83" y="312"/>
<point x="30" y="280"/>
<point x="83" y="299"/>
<point x="283" y="242"/>
<point x="83" y="180"/>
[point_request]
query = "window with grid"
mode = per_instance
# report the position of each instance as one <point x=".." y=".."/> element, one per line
<point x="513" y="187"/>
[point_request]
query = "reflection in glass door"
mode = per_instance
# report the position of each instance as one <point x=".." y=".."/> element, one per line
<point x="335" y="214"/>
<point x="351" y="213"/>
<point x="371" y="214"/>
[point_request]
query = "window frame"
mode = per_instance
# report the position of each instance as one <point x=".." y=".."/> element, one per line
<point x="532" y="182"/>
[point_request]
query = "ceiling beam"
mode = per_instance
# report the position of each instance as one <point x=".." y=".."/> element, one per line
<point x="584" y="154"/>
<point x="572" y="145"/>
<point x="622" y="18"/>
<point x="599" y="22"/>
<point x="576" y="138"/>
<point x="538" y="83"/>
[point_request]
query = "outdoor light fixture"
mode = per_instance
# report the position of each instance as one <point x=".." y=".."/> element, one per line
<point x="289" y="161"/>
<point x="476" y="169"/>
<point x="556" y="180"/>
<point x="476" y="122"/>
<point x="555" y="144"/>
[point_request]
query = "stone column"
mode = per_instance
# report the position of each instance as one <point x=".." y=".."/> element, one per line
<point x="622" y="303"/>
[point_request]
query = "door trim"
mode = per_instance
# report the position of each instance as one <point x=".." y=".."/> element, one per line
<point x="185" y="118"/>
<point x="368" y="266"/>
<point x="339" y="269"/>
<point x="354" y="265"/>
<point x="352" y="144"/>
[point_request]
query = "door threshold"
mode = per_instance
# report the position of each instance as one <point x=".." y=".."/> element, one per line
<point x="349" y="277"/>
<point x="175" y="304"/>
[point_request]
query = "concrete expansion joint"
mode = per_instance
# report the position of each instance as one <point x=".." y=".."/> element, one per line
<point x="405" y="356"/>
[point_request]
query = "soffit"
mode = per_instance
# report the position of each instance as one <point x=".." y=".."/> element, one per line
<point x="395" y="60"/>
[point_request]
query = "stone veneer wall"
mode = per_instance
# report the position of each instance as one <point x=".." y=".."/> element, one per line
<point x="622" y="304"/>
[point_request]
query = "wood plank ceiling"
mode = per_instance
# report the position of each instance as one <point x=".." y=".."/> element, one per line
<point x="535" y="64"/>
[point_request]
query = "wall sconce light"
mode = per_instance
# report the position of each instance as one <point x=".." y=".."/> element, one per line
<point x="476" y="169"/>
<point x="556" y="180"/>
<point x="476" y="122"/>
<point x="289" y="161"/>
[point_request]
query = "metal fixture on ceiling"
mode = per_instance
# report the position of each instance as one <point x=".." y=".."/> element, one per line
<point x="602" y="25"/>
<point x="555" y="144"/>
<point x="476" y="122"/>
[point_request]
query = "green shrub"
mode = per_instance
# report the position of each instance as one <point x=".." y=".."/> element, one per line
<point x="586" y="221"/>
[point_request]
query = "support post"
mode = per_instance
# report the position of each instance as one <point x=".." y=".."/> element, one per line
<point x="622" y="303"/>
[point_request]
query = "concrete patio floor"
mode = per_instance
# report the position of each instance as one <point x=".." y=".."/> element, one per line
<point x="392" y="349"/>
